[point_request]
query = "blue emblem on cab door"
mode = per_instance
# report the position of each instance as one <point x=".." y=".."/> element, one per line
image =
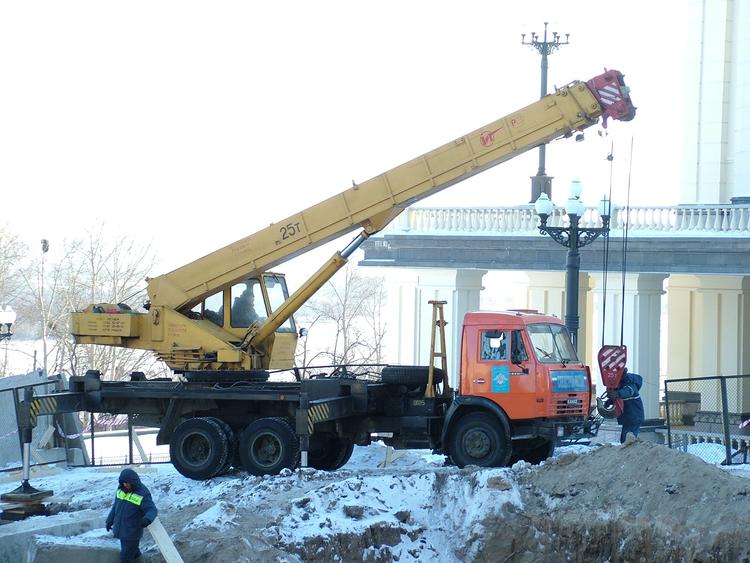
<point x="501" y="379"/>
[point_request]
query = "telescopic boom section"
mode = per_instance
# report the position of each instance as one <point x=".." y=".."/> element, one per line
<point x="371" y="205"/>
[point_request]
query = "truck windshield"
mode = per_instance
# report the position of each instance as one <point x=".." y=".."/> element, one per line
<point x="552" y="343"/>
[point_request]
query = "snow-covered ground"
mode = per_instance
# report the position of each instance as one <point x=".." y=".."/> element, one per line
<point x="307" y="511"/>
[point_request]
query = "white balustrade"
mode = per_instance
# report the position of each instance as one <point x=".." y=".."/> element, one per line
<point x="680" y="220"/>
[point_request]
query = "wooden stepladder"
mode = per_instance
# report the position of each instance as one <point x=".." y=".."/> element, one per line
<point x="438" y="325"/>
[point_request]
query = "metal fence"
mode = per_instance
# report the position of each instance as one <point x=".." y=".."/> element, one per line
<point x="56" y="439"/>
<point x="11" y="449"/>
<point x="709" y="417"/>
<point x="119" y="442"/>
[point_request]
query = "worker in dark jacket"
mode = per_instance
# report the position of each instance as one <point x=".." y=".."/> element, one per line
<point x="632" y="413"/>
<point x="132" y="511"/>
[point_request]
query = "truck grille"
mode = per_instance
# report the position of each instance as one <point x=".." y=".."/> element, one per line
<point x="565" y="405"/>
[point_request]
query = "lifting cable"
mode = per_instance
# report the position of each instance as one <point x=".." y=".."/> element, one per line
<point x="626" y="227"/>
<point x="605" y="263"/>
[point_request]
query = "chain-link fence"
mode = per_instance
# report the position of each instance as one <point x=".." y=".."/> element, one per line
<point x="709" y="417"/>
<point x="11" y="449"/>
<point x="115" y="441"/>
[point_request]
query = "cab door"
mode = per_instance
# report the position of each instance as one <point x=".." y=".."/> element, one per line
<point x="490" y="376"/>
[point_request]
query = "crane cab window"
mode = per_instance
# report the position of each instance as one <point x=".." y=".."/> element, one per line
<point x="494" y="345"/>
<point x="277" y="294"/>
<point x="247" y="304"/>
<point x="213" y="308"/>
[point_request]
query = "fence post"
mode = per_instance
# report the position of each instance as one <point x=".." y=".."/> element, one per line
<point x="725" y="420"/>
<point x="91" y="431"/>
<point x="130" y="440"/>
<point x="666" y="407"/>
<point x="14" y="392"/>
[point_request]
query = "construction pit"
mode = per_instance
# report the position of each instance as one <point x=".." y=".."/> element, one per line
<point x="636" y="502"/>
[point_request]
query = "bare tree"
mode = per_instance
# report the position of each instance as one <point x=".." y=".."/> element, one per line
<point x="12" y="251"/>
<point x="97" y="269"/>
<point x="348" y="314"/>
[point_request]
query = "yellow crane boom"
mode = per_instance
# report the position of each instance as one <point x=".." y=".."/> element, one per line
<point x="371" y="205"/>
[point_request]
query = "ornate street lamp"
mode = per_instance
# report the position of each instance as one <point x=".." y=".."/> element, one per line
<point x="541" y="183"/>
<point x="573" y="237"/>
<point x="7" y="318"/>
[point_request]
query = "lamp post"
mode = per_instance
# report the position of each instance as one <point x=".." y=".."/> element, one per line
<point x="541" y="183"/>
<point x="7" y="318"/>
<point x="573" y="237"/>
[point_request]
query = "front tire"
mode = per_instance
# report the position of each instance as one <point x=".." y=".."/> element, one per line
<point x="480" y="439"/>
<point x="269" y="445"/>
<point x="199" y="448"/>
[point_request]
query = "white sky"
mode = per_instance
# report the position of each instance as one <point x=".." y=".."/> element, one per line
<point x="193" y="124"/>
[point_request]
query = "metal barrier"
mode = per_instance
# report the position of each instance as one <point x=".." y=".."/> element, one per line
<point x="11" y="449"/>
<point x="123" y="446"/>
<point x="709" y="416"/>
<point x="54" y="436"/>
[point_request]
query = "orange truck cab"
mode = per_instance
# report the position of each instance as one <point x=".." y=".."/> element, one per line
<point x="522" y="389"/>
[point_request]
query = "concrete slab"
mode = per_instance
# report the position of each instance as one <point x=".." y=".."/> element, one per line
<point x="15" y="538"/>
<point x="95" y="546"/>
<point x="43" y="551"/>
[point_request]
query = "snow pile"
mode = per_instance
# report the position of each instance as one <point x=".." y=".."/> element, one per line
<point x="586" y="504"/>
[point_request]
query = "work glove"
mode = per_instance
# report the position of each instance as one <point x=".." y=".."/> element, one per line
<point x="109" y="526"/>
<point x="613" y="394"/>
<point x="145" y="522"/>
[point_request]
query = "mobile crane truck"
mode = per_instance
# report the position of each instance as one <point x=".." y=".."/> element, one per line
<point x="224" y="322"/>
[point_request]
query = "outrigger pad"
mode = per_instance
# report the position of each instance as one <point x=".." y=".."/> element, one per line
<point x="25" y="493"/>
<point x="612" y="362"/>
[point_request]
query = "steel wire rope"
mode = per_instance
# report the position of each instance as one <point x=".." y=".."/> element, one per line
<point x="626" y="228"/>
<point x="605" y="261"/>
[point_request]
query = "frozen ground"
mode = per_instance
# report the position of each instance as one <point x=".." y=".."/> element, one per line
<point x="634" y="502"/>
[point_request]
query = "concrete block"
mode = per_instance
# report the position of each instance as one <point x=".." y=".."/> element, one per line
<point x="45" y="551"/>
<point x="76" y="457"/>
<point x="50" y="455"/>
<point x="15" y="538"/>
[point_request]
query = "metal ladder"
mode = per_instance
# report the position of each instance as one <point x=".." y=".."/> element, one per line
<point x="438" y="325"/>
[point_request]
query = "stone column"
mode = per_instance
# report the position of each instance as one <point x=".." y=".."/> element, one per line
<point x="709" y="333"/>
<point x="546" y="294"/>
<point x="410" y="318"/>
<point x="641" y="330"/>
<point x="401" y="337"/>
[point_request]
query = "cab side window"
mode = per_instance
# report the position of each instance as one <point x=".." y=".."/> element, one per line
<point x="494" y="345"/>
<point x="247" y="304"/>
<point x="517" y="348"/>
<point x="213" y="308"/>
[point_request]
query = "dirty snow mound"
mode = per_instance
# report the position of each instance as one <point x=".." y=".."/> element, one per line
<point x="640" y="498"/>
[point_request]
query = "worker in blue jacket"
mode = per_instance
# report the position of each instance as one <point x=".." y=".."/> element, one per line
<point x="632" y="413"/>
<point x="132" y="510"/>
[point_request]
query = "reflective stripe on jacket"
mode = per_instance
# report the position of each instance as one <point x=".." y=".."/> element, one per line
<point x="129" y="508"/>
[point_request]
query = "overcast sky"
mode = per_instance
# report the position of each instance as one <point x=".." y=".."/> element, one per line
<point x="194" y="124"/>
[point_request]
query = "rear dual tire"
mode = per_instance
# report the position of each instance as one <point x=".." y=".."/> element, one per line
<point x="200" y="448"/>
<point x="269" y="445"/>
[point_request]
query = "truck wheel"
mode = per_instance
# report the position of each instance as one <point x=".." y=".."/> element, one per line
<point x="269" y="445"/>
<point x="479" y="439"/>
<point x="331" y="452"/>
<point x="232" y="445"/>
<point x="199" y="448"/>
<point x="534" y="450"/>
<point x="409" y="375"/>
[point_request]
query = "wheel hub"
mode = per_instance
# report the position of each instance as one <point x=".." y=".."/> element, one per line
<point x="477" y="444"/>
